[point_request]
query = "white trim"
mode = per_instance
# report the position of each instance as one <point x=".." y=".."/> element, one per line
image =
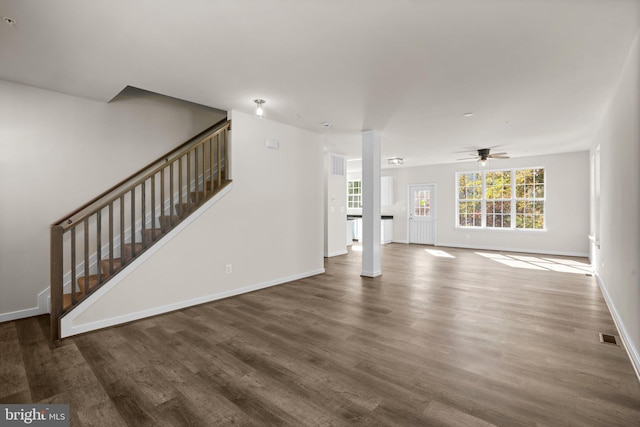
<point x="632" y="351"/>
<point x="410" y="206"/>
<point x="338" y="253"/>
<point x="502" y="229"/>
<point x="43" y="307"/>
<point x="44" y="297"/>
<point x="65" y="322"/>
<point x="513" y="199"/>
<point x="371" y="274"/>
<point x="67" y="329"/>
<point x="354" y="194"/>
<point x="521" y="250"/>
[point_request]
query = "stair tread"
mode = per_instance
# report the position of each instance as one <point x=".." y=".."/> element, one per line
<point x="93" y="281"/>
<point x="104" y="265"/>
<point x="165" y="218"/>
<point x="128" y="249"/>
<point x="151" y="234"/>
<point x="183" y="209"/>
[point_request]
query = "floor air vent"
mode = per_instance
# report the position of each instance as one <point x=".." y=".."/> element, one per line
<point x="608" y="339"/>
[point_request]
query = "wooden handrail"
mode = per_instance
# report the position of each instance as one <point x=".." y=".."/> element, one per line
<point x="79" y="241"/>
<point x="77" y="215"/>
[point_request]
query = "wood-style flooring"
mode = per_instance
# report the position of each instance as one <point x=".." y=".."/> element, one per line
<point x="446" y="337"/>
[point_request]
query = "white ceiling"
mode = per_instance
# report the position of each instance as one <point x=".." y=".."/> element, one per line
<point x="536" y="73"/>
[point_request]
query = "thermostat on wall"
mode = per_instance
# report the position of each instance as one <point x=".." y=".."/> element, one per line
<point x="274" y="144"/>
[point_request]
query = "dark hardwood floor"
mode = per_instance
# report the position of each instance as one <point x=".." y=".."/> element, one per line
<point x="473" y="339"/>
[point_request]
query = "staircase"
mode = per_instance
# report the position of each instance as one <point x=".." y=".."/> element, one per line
<point x="97" y="241"/>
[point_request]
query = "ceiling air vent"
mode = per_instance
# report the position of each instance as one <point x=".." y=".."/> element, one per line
<point x="337" y="165"/>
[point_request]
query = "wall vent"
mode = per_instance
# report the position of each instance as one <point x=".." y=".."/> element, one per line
<point x="337" y="165"/>
<point x="608" y="339"/>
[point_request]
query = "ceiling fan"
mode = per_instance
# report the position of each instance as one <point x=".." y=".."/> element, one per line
<point x="484" y="154"/>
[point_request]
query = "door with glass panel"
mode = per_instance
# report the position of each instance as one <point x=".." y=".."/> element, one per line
<point x="422" y="214"/>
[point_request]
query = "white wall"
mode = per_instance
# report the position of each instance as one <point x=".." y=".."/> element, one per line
<point x="269" y="227"/>
<point x="335" y="208"/>
<point x="567" y="206"/>
<point x="617" y="262"/>
<point x="56" y="153"/>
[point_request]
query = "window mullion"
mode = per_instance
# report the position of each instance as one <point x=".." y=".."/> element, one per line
<point x="483" y="201"/>
<point x="512" y="224"/>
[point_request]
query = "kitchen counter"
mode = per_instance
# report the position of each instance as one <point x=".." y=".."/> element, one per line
<point x="360" y="216"/>
<point x="354" y="228"/>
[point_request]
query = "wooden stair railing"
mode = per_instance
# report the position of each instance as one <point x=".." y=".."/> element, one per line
<point x="96" y="241"/>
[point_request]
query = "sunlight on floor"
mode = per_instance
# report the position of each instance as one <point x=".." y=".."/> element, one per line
<point x="438" y="253"/>
<point x="357" y="248"/>
<point x="538" y="263"/>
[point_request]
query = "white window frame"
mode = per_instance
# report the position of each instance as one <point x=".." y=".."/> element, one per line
<point x="513" y="200"/>
<point x="355" y="197"/>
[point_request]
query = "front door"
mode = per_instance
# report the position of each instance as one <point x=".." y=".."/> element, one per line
<point x="422" y="214"/>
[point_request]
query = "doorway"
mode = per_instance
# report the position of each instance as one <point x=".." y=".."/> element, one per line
<point x="422" y="214"/>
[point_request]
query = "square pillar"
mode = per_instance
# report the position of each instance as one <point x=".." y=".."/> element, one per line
<point x="371" y="204"/>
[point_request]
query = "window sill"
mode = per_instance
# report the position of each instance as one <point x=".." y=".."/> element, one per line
<point x="502" y="230"/>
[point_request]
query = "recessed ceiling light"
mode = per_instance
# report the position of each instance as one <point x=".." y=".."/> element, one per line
<point x="396" y="161"/>
<point x="326" y="124"/>
<point x="470" y="114"/>
<point x="8" y="20"/>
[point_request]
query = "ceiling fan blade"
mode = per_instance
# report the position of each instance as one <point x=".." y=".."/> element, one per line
<point x="499" y="156"/>
<point x="467" y="158"/>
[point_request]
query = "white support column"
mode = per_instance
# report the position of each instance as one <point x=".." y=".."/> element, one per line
<point x="371" y="204"/>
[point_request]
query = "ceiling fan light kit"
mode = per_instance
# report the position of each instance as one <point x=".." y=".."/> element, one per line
<point x="484" y="154"/>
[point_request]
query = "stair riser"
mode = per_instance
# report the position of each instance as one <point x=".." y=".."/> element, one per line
<point x="151" y="235"/>
<point x="127" y="250"/>
<point x="104" y="266"/>
<point x="165" y="222"/>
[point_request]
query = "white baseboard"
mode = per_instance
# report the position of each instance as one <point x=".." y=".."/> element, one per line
<point x="65" y="322"/>
<point x="68" y="329"/>
<point x="332" y="254"/>
<point x="508" y="249"/>
<point x="371" y="273"/>
<point x="43" y="307"/>
<point x="632" y="351"/>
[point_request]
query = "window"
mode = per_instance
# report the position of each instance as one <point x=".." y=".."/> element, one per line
<point x="506" y="199"/>
<point x="530" y="198"/>
<point x="470" y="199"/>
<point x="498" y="199"/>
<point x="354" y="194"/>
<point x="422" y="203"/>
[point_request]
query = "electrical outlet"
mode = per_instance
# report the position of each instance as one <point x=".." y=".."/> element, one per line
<point x="229" y="268"/>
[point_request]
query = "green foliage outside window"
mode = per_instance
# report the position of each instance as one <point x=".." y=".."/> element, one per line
<point x="502" y="199"/>
<point x="530" y="198"/>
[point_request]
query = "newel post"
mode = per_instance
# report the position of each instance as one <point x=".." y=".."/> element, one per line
<point x="56" y="279"/>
